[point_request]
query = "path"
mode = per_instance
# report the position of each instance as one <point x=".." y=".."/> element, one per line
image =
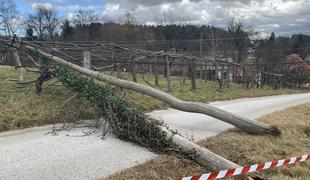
<point x="30" y="154"/>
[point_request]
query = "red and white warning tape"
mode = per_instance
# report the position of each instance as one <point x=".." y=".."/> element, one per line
<point x="248" y="169"/>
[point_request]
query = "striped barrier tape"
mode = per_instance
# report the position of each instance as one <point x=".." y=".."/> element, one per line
<point x="248" y="169"/>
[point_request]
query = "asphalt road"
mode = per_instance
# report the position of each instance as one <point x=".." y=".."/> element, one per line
<point x="33" y="154"/>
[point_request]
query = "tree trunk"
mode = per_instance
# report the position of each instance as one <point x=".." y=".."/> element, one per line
<point x="243" y="123"/>
<point x="202" y="155"/>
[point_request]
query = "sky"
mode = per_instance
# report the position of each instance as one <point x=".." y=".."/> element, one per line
<point x="284" y="17"/>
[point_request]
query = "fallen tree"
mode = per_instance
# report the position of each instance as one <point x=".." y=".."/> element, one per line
<point x="128" y="123"/>
<point x="245" y="124"/>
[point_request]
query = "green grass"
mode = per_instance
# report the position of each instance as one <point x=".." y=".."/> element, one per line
<point x="307" y="131"/>
<point x="20" y="107"/>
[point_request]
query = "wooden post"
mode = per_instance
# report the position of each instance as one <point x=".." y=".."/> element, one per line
<point x="155" y="71"/>
<point x="133" y="68"/>
<point x="201" y="70"/>
<point x="193" y="74"/>
<point x="234" y="71"/>
<point x="114" y="62"/>
<point x="184" y="67"/>
<point x="118" y="70"/>
<point x="150" y="68"/>
<point x="86" y="60"/>
<point x="206" y="72"/>
<point x="228" y="74"/>
<point x="18" y="64"/>
<point x="168" y="73"/>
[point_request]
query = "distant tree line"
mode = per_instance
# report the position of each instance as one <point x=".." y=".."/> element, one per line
<point x="286" y="55"/>
<point x="232" y="41"/>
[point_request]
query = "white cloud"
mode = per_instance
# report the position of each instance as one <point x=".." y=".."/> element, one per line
<point x="74" y="8"/>
<point x="263" y="15"/>
<point x="60" y="1"/>
<point x="266" y="16"/>
<point x="40" y="5"/>
<point x="63" y="8"/>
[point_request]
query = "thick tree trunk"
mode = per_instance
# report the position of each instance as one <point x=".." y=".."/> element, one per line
<point x="243" y="123"/>
<point x="202" y="155"/>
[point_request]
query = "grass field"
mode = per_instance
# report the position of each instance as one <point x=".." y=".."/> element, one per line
<point x="20" y="107"/>
<point x="243" y="149"/>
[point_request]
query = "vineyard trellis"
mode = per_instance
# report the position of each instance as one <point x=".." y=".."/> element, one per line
<point x="117" y="58"/>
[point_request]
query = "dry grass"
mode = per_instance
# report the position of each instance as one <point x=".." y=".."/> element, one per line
<point x="243" y="149"/>
<point x="20" y="107"/>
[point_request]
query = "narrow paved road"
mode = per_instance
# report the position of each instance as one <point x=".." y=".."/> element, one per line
<point x="31" y="154"/>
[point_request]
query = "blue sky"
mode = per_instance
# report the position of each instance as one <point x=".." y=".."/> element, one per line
<point x="285" y="17"/>
<point x="67" y="6"/>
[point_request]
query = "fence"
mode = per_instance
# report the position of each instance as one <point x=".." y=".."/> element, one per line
<point x="104" y="56"/>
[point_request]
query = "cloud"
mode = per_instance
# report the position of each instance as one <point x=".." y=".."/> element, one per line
<point x="62" y="8"/>
<point x="148" y="11"/>
<point x="75" y="8"/>
<point x="281" y="16"/>
<point x="42" y="5"/>
<point x="60" y="1"/>
<point x="145" y="3"/>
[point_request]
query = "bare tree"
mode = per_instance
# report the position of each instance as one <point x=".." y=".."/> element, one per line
<point x="238" y="34"/>
<point x="51" y="21"/>
<point x="36" y="22"/>
<point x="128" y="19"/>
<point x="165" y="18"/>
<point x="84" y="17"/>
<point x="43" y="22"/>
<point x="9" y="16"/>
